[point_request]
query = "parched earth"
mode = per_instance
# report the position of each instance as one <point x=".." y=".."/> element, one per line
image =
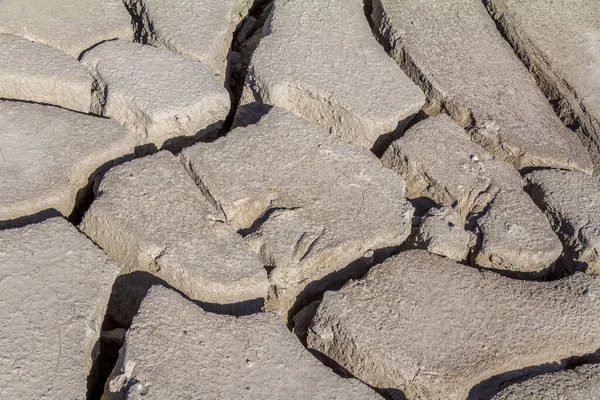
<point x="300" y="199"/>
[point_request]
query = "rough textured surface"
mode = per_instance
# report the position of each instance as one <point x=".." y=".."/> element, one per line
<point x="316" y="57"/>
<point x="54" y="288"/>
<point x="174" y="350"/>
<point x="70" y="26"/>
<point x="464" y="63"/>
<point x="149" y="215"/>
<point x="35" y="72"/>
<point x="560" y="42"/>
<point x="515" y="236"/>
<point x="582" y="383"/>
<point x="434" y="329"/>
<point x="308" y="203"/>
<point x="291" y="200"/>
<point x="198" y="30"/>
<point x="48" y="154"/>
<point x="438" y="160"/>
<point x="571" y="201"/>
<point x="156" y="94"/>
<point x="442" y="232"/>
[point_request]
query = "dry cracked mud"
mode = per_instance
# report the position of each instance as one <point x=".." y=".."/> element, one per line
<point x="304" y="199"/>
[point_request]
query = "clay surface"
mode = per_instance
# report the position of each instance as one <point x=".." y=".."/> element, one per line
<point x="571" y="202"/>
<point x="48" y="154"/>
<point x="560" y="43"/>
<point x="198" y="30"/>
<point x="314" y="59"/>
<point x="309" y="204"/>
<point x="438" y="160"/>
<point x="150" y="216"/>
<point x="70" y="26"/>
<point x="299" y="199"/>
<point x="441" y="232"/>
<point x="176" y="350"/>
<point x="35" y="72"/>
<point x="54" y="288"/>
<point x="465" y="65"/>
<point x="156" y="94"/>
<point x="458" y="326"/>
<point x="581" y="383"/>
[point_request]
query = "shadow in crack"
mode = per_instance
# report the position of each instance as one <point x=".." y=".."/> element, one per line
<point x="250" y="114"/>
<point x="383" y="141"/>
<point x="30" y="219"/>
<point x="208" y="134"/>
<point x="245" y="40"/>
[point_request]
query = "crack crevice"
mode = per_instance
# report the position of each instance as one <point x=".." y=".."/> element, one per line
<point x="244" y="42"/>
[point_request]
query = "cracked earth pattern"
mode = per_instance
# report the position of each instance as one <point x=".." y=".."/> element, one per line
<point x="300" y="199"/>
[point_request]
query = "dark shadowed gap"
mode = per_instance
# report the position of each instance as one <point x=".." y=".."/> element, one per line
<point x="140" y="33"/>
<point x="244" y="42"/>
<point x="262" y="219"/>
<point x="30" y="219"/>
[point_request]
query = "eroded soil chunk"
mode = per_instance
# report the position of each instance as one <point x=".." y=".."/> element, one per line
<point x="319" y="59"/>
<point x="175" y="350"/>
<point x="434" y="329"/>
<point x="156" y="94"/>
<point x="571" y="200"/>
<point x="308" y="203"/>
<point x="150" y="216"/>
<point x="442" y="232"/>
<point x="35" y="72"/>
<point x="54" y="288"/>
<point x="455" y="50"/>
<point x="439" y="161"/>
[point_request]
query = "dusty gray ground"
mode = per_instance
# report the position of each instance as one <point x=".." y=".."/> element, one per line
<point x="304" y="199"/>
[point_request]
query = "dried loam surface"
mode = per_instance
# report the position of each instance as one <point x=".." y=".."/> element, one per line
<point x="150" y="216"/>
<point x="308" y="203"/>
<point x="435" y="329"/>
<point x="35" y="72"/>
<point x="462" y="61"/>
<point x="70" y="26"/>
<point x="176" y="350"/>
<point x="319" y="59"/>
<point x="48" y="154"/>
<point x="158" y="95"/>
<point x="581" y="383"/>
<point x="442" y="232"/>
<point x="571" y="201"/>
<point x="560" y="43"/>
<point x="54" y="288"/>
<point x="325" y="126"/>
<point x="438" y="160"/>
<point x="198" y="30"/>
